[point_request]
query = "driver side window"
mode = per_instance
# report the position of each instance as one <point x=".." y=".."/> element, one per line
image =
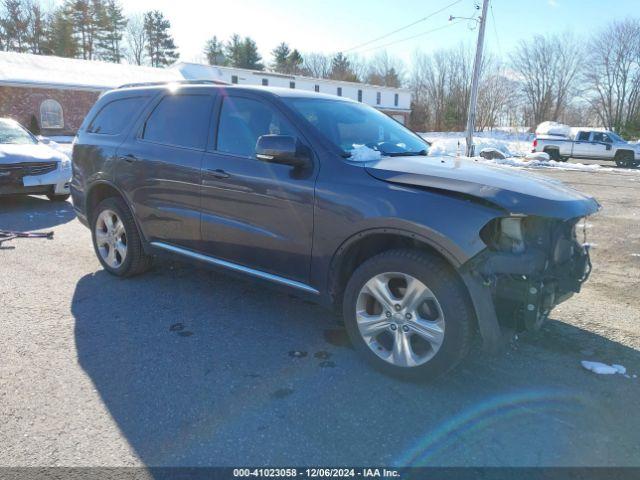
<point x="243" y="121"/>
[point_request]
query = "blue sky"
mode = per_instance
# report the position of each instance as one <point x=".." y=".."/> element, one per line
<point x="333" y="25"/>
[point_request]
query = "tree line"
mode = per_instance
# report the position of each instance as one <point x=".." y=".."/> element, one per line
<point x="579" y="81"/>
<point x="87" y="29"/>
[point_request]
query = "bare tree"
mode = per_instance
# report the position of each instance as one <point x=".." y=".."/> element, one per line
<point x="496" y="98"/>
<point x="316" y="65"/>
<point x="385" y="70"/>
<point x="136" y="40"/>
<point x="548" y="68"/>
<point x="613" y="77"/>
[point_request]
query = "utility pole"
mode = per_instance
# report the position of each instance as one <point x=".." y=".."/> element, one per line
<point x="471" y="118"/>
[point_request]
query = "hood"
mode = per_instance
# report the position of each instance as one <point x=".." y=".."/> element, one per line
<point x="10" y="153"/>
<point x="515" y="191"/>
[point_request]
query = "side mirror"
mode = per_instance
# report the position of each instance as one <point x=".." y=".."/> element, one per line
<point x="282" y="149"/>
<point x="43" y="140"/>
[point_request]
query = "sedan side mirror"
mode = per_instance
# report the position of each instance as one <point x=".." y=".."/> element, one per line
<point x="282" y="149"/>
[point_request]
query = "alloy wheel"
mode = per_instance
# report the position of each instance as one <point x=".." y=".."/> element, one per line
<point x="400" y="319"/>
<point x="111" y="238"/>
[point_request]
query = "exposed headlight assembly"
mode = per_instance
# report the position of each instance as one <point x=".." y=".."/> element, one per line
<point x="504" y="234"/>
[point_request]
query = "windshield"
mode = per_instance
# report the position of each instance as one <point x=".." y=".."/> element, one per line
<point x="616" y="137"/>
<point x="353" y="126"/>
<point x="12" y="133"/>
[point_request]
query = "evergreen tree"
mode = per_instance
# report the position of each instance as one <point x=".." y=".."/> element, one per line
<point x="37" y="29"/>
<point x="87" y="17"/>
<point x="281" y="58"/>
<point x="161" y="47"/>
<point x="294" y="62"/>
<point x="252" y="59"/>
<point x="214" y="50"/>
<point x="234" y="50"/>
<point x="60" y="38"/>
<point x="13" y="25"/>
<point x="113" y="24"/>
<point x="341" y="69"/>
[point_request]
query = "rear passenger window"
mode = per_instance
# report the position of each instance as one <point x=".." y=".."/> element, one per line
<point x="243" y="120"/>
<point x="583" y="136"/>
<point x="180" y="120"/>
<point x="114" y="116"/>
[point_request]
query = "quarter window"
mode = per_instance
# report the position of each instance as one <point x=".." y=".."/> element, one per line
<point x="180" y="120"/>
<point x="583" y="136"/>
<point x="243" y="120"/>
<point x="51" y="115"/>
<point x="114" y="116"/>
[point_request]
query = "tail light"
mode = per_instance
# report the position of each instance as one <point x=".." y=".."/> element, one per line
<point x="535" y="143"/>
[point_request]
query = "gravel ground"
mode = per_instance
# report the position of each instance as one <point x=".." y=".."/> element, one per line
<point x="184" y="366"/>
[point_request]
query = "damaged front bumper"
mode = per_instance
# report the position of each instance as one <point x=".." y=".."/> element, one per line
<point x="524" y="286"/>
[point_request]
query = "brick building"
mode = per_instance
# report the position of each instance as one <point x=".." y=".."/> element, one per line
<point x="53" y="94"/>
<point x="56" y="93"/>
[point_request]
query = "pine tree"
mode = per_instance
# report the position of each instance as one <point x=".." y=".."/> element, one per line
<point x="113" y="24"/>
<point x="214" y="50"/>
<point x="60" y="38"/>
<point x="234" y="51"/>
<point x="14" y="24"/>
<point x="161" y="47"/>
<point x="87" y="18"/>
<point x="36" y="29"/>
<point x="294" y="62"/>
<point x="281" y="58"/>
<point x="341" y="69"/>
<point x="252" y="59"/>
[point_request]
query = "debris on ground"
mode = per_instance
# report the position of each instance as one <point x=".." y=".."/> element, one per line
<point x="8" y="235"/>
<point x="603" y="369"/>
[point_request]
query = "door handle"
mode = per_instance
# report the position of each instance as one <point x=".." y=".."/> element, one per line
<point x="217" y="173"/>
<point x="130" y="157"/>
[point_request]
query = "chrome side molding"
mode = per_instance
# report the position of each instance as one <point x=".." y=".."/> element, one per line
<point x="235" y="267"/>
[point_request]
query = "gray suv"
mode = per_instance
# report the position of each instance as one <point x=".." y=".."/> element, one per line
<point x="336" y="201"/>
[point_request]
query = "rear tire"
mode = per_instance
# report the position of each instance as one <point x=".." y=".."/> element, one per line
<point x="58" y="198"/>
<point x="554" y="154"/>
<point x="116" y="240"/>
<point x="408" y="314"/>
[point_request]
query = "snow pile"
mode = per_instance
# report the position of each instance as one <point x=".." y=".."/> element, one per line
<point x="524" y="163"/>
<point x="362" y="153"/>
<point x="553" y="128"/>
<point x="604" y="369"/>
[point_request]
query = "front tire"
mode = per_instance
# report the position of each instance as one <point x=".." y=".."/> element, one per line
<point x="116" y="240"/>
<point x="408" y="314"/>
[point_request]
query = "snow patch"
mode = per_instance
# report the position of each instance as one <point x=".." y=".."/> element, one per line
<point x="553" y="128"/>
<point x="603" y="369"/>
<point x="362" y="153"/>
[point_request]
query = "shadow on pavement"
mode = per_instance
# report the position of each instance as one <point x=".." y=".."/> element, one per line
<point x="27" y="213"/>
<point x="201" y="369"/>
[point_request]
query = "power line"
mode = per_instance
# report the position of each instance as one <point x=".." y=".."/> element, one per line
<point x="450" y="24"/>
<point x="386" y="35"/>
<point x="495" y="30"/>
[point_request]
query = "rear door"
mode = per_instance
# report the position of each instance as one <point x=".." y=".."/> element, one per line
<point x="254" y="213"/>
<point x="582" y="145"/>
<point x="160" y="166"/>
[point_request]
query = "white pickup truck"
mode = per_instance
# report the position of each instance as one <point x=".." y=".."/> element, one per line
<point x="590" y="145"/>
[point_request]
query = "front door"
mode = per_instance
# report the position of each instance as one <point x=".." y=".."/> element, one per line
<point x="582" y="145"/>
<point x="160" y="166"/>
<point x="254" y="213"/>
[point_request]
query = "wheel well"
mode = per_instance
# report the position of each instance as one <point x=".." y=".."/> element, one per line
<point x="361" y="250"/>
<point x="550" y="149"/>
<point x="97" y="194"/>
<point x="625" y="152"/>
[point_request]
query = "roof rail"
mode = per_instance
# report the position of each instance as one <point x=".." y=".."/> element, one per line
<point x="180" y="82"/>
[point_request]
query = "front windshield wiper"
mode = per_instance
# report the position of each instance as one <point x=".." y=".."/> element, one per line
<point x="421" y="153"/>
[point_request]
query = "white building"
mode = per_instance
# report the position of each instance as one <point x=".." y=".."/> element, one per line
<point x="54" y="94"/>
<point x="395" y="102"/>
